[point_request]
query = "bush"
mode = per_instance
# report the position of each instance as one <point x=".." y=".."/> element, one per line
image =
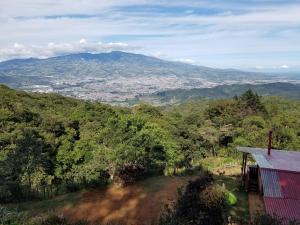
<point x="11" y="216"/>
<point x="129" y="173"/>
<point x="11" y="192"/>
<point x="272" y="220"/>
<point x="72" y="187"/>
<point x="58" y="220"/>
<point x="201" y="203"/>
<point x="213" y="196"/>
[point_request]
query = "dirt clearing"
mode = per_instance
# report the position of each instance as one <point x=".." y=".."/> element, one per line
<point x="137" y="204"/>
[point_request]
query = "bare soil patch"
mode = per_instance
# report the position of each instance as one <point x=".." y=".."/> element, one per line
<point x="133" y="205"/>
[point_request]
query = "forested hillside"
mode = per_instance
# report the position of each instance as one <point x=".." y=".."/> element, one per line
<point x="286" y="90"/>
<point x="52" y="144"/>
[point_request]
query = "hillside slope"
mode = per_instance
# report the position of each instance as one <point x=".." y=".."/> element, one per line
<point x="286" y="90"/>
<point x="107" y="64"/>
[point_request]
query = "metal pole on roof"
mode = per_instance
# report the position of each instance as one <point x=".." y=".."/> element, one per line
<point x="270" y="142"/>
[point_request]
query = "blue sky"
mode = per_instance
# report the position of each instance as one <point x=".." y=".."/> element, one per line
<point x="244" y="34"/>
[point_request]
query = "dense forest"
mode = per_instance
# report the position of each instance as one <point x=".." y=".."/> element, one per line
<point x="286" y="90"/>
<point x="52" y="144"/>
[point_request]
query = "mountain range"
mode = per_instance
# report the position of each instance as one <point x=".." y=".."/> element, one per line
<point x="120" y="77"/>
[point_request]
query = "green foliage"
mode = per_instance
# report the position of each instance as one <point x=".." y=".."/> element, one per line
<point x="250" y="103"/>
<point x="14" y="217"/>
<point x="231" y="199"/>
<point x="287" y="90"/>
<point x="200" y="203"/>
<point x="57" y="220"/>
<point x="50" y="144"/>
<point x="11" y="216"/>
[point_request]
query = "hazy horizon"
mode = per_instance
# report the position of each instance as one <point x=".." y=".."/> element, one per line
<point x="274" y="70"/>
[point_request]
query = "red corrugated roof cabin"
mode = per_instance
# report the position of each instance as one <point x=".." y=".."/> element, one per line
<point x="276" y="176"/>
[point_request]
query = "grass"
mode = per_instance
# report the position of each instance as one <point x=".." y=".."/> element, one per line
<point x="154" y="184"/>
<point x="213" y="163"/>
<point x="231" y="180"/>
<point x="34" y="208"/>
<point x="241" y="209"/>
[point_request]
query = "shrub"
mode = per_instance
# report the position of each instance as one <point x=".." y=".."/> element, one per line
<point x="266" y="219"/>
<point x="201" y="203"/>
<point x="59" y="220"/>
<point x="11" y="216"/>
<point x="129" y="173"/>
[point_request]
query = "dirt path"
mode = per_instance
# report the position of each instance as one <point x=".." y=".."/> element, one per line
<point x="134" y="205"/>
<point x="256" y="205"/>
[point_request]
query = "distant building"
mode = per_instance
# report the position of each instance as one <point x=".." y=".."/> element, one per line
<point x="276" y="176"/>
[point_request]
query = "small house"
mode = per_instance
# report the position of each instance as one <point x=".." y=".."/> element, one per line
<point x="276" y="176"/>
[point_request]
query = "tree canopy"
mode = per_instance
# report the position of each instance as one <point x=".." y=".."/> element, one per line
<point x="50" y="143"/>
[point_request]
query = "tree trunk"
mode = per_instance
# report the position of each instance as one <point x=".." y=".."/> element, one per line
<point x="213" y="151"/>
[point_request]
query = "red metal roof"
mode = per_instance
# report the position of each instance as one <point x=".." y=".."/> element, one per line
<point x="284" y="160"/>
<point x="282" y="207"/>
<point x="280" y="184"/>
<point x="280" y="174"/>
<point x="290" y="184"/>
<point x="281" y="193"/>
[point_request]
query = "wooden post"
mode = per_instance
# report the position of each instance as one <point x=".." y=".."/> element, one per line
<point x="245" y="171"/>
<point x="242" y="170"/>
<point x="243" y="165"/>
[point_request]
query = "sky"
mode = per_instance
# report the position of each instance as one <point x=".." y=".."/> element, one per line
<point x="242" y="34"/>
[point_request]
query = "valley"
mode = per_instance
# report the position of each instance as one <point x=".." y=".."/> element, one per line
<point x="122" y="78"/>
<point x="152" y="112"/>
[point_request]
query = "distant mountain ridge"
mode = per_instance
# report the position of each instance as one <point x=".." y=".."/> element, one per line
<point x="287" y="90"/>
<point x="116" y="60"/>
<point x="117" y="77"/>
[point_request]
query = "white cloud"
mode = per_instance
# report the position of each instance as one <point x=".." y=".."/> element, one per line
<point x="243" y="33"/>
<point x="284" y="67"/>
<point x="54" y="49"/>
<point x="118" y="44"/>
<point x="82" y="41"/>
<point x="190" y="11"/>
<point x="189" y="61"/>
<point x="259" y="67"/>
<point x="17" y="45"/>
